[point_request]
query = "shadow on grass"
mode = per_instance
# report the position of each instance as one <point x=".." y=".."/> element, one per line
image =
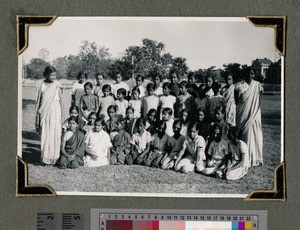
<point x="26" y="102"/>
<point x="33" y="136"/>
<point x="31" y="152"/>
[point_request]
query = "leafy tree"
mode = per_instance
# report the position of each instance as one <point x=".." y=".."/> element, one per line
<point x="74" y="66"/>
<point x="232" y="68"/>
<point x="61" y="65"/>
<point x="35" y="68"/>
<point x="180" y="65"/>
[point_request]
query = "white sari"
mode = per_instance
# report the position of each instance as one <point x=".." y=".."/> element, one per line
<point x="248" y="119"/>
<point x="49" y="112"/>
<point x="230" y="106"/>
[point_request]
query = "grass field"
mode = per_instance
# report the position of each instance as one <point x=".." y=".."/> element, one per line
<point x="142" y="179"/>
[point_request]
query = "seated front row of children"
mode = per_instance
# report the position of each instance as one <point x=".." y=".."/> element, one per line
<point x="224" y="159"/>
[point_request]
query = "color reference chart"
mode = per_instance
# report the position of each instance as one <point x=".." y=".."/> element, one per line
<point x="178" y="219"/>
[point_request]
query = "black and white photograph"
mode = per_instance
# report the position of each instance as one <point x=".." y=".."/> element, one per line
<point x="151" y="106"/>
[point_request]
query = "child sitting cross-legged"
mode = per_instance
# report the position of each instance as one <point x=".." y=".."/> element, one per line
<point x="239" y="163"/>
<point x="140" y="144"/>
<point x="158" y="146"/>
<point x="217" y="154"/>
<point x="175" y="145"/>
<point x="121" y="144"/>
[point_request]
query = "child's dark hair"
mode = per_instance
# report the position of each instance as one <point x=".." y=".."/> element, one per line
<point x="157" y="75"/>
<point x="114" y="107"/>
<point x="159" y="123"/>
<point x="135" y="88"/>
<point x="193" y="125"/>
<point x="151" y="111"/>
<point x="150" y="87"/>
<point x="106" y="87"/>
<point x="174" y="71"/>
<point x="191" y="75"/>
<point x="121" y="121"/>
<point x="140" y="121"/>
<point x="139" y="76"/>
<point x="167" y="85"/>
<point x="73" y="118"/>
<point x="100" y="120"/>
<point x="202" y="86"/>
<point x="80" y="74"/>
<point x="92" y="114"/>
<point x="219" y="109"/>
<point x="201" y="109"/>
<point x="48" y="70"/>
<point x="129" y="108"/>
<point x="183" y="84"/>
<point x="88" y="84"/>
<point x="122" y="91"/>
<point x="216" y="85"/>
<point x="118" y="72"/>
<point x="168" y="111"/>
<point x="97" y="74"/>
<point x="177" y="122"/>
<point x="73" y="107"/>
<point x="236" y="132"/>
<point x="208" y="76"/>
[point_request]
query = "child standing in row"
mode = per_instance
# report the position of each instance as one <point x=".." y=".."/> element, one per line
<point x="118" y="85"/>
<point x="151" y="101"/>
<point x="99" y="84"/>
<point x="216" y="100"/>
<point x="157" y="89"/>
<point x="78" y="89"/>
<point x="174" y="86"/>
<point x="105" y="101"/>
<point x="139" y="83"/>
<point x="121" y="102"/>
<point x="167" y="100"/>
<point x="88" y="102"/>
<point x="228" y="93"/>
<point x="135" y="102"/>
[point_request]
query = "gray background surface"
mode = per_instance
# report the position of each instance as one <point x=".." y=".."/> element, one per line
<point x="20" y="213"/>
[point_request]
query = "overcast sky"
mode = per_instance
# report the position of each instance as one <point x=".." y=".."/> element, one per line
<point x="204" y="42"/>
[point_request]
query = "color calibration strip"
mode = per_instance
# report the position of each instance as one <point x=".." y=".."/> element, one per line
<point x="175" y="225"/>
<point x="127" y="219"/>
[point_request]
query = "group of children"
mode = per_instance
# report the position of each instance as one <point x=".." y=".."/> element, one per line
<point x="172" y="125"/>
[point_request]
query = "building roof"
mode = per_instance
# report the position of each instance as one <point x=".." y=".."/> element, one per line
<point x="263" y="61"/>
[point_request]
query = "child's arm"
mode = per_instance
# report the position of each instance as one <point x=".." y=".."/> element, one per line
<point x="90" y="153"/>
<point x="81" y="107"/>
<point x="97" y="104"/>
<point x="180" y="155"/>
<point x="146" y="151"/>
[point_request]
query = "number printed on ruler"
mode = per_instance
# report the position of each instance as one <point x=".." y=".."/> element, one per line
<point x="55" y="221"/>
<point x="72" y="221"/>
<point x="156" y="220"/>
<point x="47" y="221"/>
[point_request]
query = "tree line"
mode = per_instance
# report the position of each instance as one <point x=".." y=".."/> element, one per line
<point x="148" y="60"/>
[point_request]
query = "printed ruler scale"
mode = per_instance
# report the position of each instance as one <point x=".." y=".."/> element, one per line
<point x="104" y="219"/>
<point x="64" y="221"/>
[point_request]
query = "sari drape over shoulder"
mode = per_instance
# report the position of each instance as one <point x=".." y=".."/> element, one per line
<point x="75" y="145"/>
<point x="248" y="119"/>
<point x="49" y="113"/>
<point x="230" y="110"/>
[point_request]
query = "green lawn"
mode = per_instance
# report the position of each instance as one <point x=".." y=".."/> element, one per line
<point x="142" y="179"/>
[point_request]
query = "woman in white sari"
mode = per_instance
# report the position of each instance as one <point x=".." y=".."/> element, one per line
<point x="49" y="116"/>
<point x="248" y="115"/>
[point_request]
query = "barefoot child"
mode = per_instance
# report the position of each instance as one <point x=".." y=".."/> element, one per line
<point x="98" y="146"/>
<point x="175" y="145"/>
<point x="158" y="146"/>
<point x="73" y="146"/>
<point x="140" y="144"/>
<point x="238" y="149"/>
<point x="192" y="157"/>
<point x="121" y="144"/>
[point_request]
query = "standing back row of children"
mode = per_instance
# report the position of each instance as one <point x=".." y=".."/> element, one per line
<point x="171" y="125"/>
